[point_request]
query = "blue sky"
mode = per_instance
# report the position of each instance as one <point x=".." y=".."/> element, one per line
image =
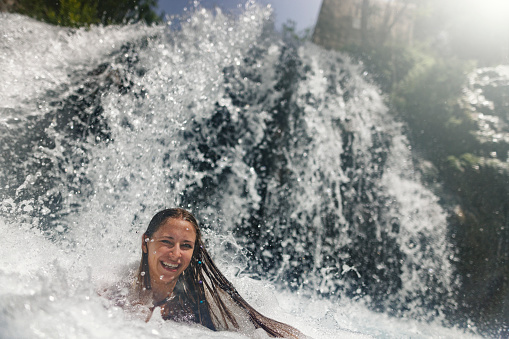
<point x="303" y="12"/>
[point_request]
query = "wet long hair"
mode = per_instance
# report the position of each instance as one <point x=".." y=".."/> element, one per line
<point x="203" y="292"/>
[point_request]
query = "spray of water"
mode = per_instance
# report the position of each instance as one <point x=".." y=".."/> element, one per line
<point x="294" y="166"/>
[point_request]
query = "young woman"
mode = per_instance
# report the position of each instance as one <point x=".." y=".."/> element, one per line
<point x="177" y="274"/>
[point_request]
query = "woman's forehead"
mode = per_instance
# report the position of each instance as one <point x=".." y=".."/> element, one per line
<point x="176" y="227"/>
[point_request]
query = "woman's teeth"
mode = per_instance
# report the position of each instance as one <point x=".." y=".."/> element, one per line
<point x="169" y="265"/>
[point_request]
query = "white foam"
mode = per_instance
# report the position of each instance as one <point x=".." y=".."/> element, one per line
<point x="50" y="280"/>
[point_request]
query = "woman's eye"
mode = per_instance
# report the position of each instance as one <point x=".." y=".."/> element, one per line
<point x="187" y="246"/>
<point x="167" y="242"/>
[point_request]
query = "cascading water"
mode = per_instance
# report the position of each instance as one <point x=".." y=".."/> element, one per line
<point x="297" y="172"/>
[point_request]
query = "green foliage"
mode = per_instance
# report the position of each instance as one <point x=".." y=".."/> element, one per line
<point x="290" y="32"/>
<point x="454" y="164"/>
<point x="427" y="99"/>
<point x="73" y="13"/>
<point x="77" y="13"/>
<point x="424" y="88"/>
<point x="387" y="65"/>
<point x="114" y="11"/>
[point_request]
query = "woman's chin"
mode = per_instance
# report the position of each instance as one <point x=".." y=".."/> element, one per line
<point x="168" y="277"/>
<point x="162" y="277"/>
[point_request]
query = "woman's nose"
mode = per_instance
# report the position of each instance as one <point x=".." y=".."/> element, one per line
<point x="176" y="252"/>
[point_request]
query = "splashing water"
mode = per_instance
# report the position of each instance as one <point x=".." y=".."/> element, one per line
<point x="294" y="166"/>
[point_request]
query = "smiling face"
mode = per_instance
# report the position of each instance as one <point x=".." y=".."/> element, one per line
<point x="169" y="250"/>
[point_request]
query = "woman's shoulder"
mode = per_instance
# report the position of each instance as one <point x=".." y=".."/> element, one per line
<point x="124" y="293"/>
<point x="118" y="293"/>
<point x="124" y="290"/>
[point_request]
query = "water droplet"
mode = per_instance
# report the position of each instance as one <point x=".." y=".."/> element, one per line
<point x="142" y="274"/>
<point x="161" y="277"/>
<point x="51" y="298"/>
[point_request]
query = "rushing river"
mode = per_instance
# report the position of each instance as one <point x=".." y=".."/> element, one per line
<point x="301" y="178"/>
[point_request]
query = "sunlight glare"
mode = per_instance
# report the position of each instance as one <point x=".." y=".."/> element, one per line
<point x="493" y="13"/>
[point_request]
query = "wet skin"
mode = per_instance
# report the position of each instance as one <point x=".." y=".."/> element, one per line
<point x="170" y="250"/>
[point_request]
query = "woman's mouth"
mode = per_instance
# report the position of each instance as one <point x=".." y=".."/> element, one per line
<point x="169" y="266"/>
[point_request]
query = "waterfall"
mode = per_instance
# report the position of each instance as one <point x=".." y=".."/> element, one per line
<point x="300" y="176"/>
